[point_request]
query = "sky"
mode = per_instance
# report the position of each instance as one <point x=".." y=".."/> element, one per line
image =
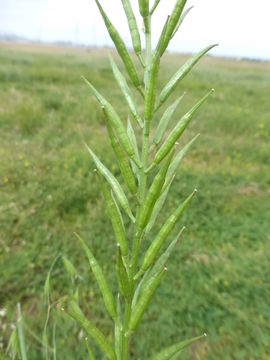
<point x="241" y="27"/>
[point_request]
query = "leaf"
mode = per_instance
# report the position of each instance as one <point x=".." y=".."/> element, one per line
<point x="21" y="333"/>
<point x="69" y="267"/>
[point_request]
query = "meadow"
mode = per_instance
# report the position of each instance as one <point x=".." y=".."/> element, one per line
<point x="218" y="279"/>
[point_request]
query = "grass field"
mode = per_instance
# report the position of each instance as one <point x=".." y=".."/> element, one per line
<point x="218" y="280"/>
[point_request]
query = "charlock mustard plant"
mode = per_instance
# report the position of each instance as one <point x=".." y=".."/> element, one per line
<point x="138" y="280"/>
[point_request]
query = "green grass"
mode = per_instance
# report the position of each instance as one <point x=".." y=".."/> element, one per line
<point x="218" y="278"/>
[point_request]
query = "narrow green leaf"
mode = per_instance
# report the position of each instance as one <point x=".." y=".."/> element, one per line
<point x="101" y="280"/>
<point x="75" y="312"/>
<point x="126" y="91"/>
<point x="13" y="344"/>
<point x="116" y="187"/>
<point x="69" y="267"/>
<point x="178" y="130"/>
<point x="21" y="334"/>
<point x="144" y="300"/>
<point x="118" y="331"/>
<point x="165" y="120"/>
<point x="180" y="21"/>
<point x="89" y="350"/>
<point x="138" y="289"/>
<point x="121" y="49"/>
<point x="133" y="27"/>
<point x="170" y="351"/>
<point x="180" y="74"/>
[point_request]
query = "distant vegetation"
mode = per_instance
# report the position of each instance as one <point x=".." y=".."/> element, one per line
<point x="218" y="280"/>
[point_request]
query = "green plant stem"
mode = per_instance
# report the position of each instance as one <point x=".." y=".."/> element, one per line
<point x="125" y="329"/>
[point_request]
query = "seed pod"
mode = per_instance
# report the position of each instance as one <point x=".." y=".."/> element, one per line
<point x="101" y="280"/>
<point x="118" y="331"/>
<point x="115" y="121"/>
<point x="182" y="18"/>
<point x="126" y="92"/>
<point x="133" y="140"/>
<point x="117" y="189"/>
<point x="180" y="74"/>
<point x="177" y="160"/>
<point x="154" y="6"/>
<point x="178" y="130"/>
<point x="122" y="276"/>
<point x="123" y="162"/>
<point x="121" y="48"/>
<point x="144" y="300"/>
<point x="159" y="240"/>
<point x="153" y="193"/>
<point x="116" y="219"/>
<point x="175" y="349"/>
<point x="75" y="312"/>
<point x="176" y="13"/>
<point x="150" y="92"/>
<point x="133" y="27"/>
<point x="164" y="121"/>
<point x="144" y="8"/>
<point x="138" y="289"/>
<point x="163" y="259"/>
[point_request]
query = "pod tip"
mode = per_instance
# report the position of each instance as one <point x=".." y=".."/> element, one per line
<point x="165" y="269"/>
<point x="195" y="190"/>
<point x="205" y="334"/>
<point x="213" y="90"/>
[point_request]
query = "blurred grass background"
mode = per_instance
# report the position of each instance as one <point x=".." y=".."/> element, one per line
<point x="218" y="280"/>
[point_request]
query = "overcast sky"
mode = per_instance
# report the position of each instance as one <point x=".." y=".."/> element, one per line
<point x="241" y="27"/>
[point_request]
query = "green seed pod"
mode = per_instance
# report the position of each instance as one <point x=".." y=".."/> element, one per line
<point x="150" y="92"/>
<point x="154" y="6"/>
<point x="75" y="312"/>
<point x="122" y="276"/>
<point x="133" y="27"/>
<point x="180" y="21"/>
<point x="159" y="240"/>
<point x="133" y="140"/>
<point x="121" y="48"/>
<point x="144" y="8"/>
<point x="144" y="300"/>
<point x="126" y="92"/>
<point x="116" y="219"/>
<point x="114" y="120"/>
<point x="175" y="349"/>
<point x="175" y="16"/>
<point x="116" y="187"/>
<point x="101" y="280"/>
<point x="178" y="130"/>
<point x="122" y="162"/>
<point x="118" y="331"/>
<point x="153" y="193"/>
<point x="180" y="74"/>
<point x="164" y="121"/>
<point x="177" y="160"/>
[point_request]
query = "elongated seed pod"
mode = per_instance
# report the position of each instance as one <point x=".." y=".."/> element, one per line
<point x="159" y="240"/>
<point x="144" y="8"/>
<point x="122" y="276"/>
<point x="180" y="74"/>
<point x="154" y="6"/>
<point x="175" y="16"/>
<point x="101" y="280"/>
<point x="144" y="300"/>
<point x="116" y="187"/>
<point x="75" y="312"/>
<point x="178" y="130"/>
<point x="116" y="219"/>
<point x="122" y="162"/>
<point x="118" y="331"/>
<point x="180" y="21"/>
<point x="165" y="120"/>
<point x="138" y="289"/>
<point x="153" y="193"/>
<point x="150" y="92"/>
<point x="175" y="349"/>
<point x="133" y="27"/>
<point x="132" y="138"/>
<point x="114" y="120"/>
<point x="177" y="160"/>
<point x="126" y="91"/>
<point x="121" y="48"/>
<point x="163" y="259"/>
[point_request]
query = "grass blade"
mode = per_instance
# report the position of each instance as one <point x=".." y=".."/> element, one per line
<point x="21" y="333"/>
